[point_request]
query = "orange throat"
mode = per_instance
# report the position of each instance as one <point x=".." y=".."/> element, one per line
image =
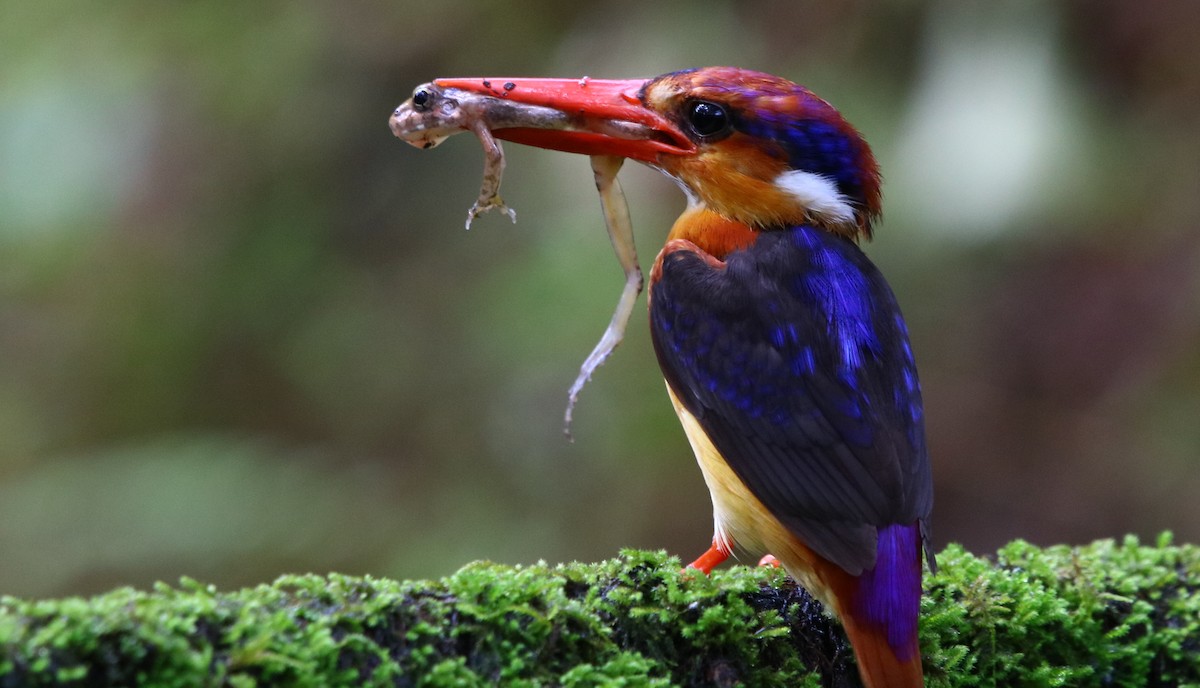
<point x="715" y="235"/>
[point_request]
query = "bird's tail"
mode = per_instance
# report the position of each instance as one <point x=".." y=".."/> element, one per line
<point x="879" y="664"/>
<point x="882" y="611"/>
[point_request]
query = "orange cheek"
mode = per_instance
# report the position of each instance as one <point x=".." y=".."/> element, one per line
<point x="735" y="178"/>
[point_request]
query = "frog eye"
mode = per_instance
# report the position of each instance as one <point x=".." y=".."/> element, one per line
<point x="422" y="98"/>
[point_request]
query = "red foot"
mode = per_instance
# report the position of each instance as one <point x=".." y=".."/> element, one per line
<point x="711" y="559"/>
<point x="769" y="560"/>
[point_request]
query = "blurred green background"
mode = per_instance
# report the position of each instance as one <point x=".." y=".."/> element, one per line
<point x="243" y="332"/>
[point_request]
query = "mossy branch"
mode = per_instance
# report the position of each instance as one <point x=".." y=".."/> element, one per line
<point x="1107" y="614"/>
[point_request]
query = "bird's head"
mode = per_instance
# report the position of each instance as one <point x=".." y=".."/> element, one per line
<point x="754" y="148"/>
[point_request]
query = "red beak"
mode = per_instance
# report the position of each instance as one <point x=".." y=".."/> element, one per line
<point x="611" y="117"/>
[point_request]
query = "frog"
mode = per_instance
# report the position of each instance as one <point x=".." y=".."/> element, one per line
<point x="434" y="113"/>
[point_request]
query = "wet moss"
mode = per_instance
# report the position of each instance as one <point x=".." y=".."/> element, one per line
<point x="1106" y="614"/>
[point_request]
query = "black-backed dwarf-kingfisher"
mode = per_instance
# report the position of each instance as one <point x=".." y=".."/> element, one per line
<point x="784" y="351"/>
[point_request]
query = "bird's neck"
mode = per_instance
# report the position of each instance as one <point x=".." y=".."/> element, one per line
<point x="715" y="235"/>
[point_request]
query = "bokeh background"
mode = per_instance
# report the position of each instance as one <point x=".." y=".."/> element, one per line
<point x="243" y="332"/>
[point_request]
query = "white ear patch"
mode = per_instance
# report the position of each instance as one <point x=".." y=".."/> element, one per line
<point x="818" y="194"/>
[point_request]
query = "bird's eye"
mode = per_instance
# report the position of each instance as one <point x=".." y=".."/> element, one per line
<point x="421" y="98"/>
<point x="707" y="119"/>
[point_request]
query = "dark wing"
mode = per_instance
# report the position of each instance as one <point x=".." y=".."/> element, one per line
<point x="795" y="360"/>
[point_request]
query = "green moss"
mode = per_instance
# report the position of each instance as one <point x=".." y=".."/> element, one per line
<point x="1108" y="614"/>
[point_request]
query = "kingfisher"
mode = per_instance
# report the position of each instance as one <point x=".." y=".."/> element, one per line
<point x="784" y="351"/>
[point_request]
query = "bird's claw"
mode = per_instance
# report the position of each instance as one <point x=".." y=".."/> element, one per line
<point x="769" y="560"/>
<point x="714" y="556"/>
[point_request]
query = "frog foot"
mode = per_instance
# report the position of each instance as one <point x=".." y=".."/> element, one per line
<point x="492" y="202"/>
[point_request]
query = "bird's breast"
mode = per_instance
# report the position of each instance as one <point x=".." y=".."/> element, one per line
<point x="740" y="518"/>
<point x="708" y="234"/>
<point x="714" y="234"/>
